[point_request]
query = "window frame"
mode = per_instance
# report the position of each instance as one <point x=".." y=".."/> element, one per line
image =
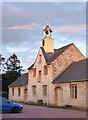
<point x="44" y="89"/>
<point x="39" y="75"/>
<point x="19" y="91"/>
<point x="34" y="72"/>
<point x="73" y="91"/>
<point x="40" y="58"/>
<point x="34" y="90"/>
<point x="12" y="91"/>
<point x="45" y="70"/>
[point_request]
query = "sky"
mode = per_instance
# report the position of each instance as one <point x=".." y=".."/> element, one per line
<point x="23" y="24"/>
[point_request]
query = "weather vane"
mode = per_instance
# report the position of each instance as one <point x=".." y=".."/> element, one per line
<point x="47" y="20"/>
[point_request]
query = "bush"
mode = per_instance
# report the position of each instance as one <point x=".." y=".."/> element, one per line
<point x="4" y="94"/>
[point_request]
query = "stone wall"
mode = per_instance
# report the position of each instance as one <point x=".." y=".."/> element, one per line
<point x="45" y="80"/>
<point x="80" y="102"/>
<point x="54" y="69"/>
<point x="16" y="97"/>
<point x="65" y="59"/>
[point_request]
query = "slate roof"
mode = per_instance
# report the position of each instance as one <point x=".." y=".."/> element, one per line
<point x="77" y="71"/>
<point x="50" y="57"/>
<point x="47" y="28"/>
<point x="31" y="66"/>
<point x="22" y="80"/>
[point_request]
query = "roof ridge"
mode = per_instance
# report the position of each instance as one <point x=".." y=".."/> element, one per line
<point x="81" y="60"/>
<point x="64" y="46"/>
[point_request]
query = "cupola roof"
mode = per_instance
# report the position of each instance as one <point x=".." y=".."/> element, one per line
<point x="47" y="28"/>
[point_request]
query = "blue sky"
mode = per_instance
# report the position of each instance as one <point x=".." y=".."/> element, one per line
<point x="23" y="24"/>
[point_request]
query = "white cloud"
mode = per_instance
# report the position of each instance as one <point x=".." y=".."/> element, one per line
<point x="21" y="27"/>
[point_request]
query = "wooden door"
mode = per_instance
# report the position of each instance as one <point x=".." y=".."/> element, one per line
<point x="25" y="95"/>
<point x="59" y="96"/>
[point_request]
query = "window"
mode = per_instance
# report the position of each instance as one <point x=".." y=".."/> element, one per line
<point x="45" y="70"/>
<point x="73" y="90"/>
<point x="12" y="91"/>
<point x="34" y="72"/>
<point x="44" y="89"/>
<point x="43" y="43"/>
<point x="34" y="90"/>
<point x="40" y="58"/>
<point x="39" y="77"/>
<point x="18" y="91"/>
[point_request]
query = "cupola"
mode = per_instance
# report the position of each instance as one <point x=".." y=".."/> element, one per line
<point x="48" y="41"/>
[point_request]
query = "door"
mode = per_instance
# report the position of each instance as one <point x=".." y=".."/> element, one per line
<point x="59" y="96"/>
<point x="25" y="95"/>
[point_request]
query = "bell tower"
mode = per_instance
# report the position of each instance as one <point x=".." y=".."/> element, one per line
<point x="48" y="41"/>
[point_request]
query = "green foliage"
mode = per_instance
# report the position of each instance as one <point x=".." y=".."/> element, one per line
<point x="2" y="62"/>
<point x="8" y="78"/>
<point x="13" y="64"/>
<point x="5" y="94"/>
<point x="13" y="71"/>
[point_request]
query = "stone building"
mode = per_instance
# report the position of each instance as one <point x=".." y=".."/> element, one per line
<point x="18" y="89"/>
<point x="43" y="83"/>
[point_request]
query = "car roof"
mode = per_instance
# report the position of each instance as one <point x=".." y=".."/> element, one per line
<point x="3" y="97"/>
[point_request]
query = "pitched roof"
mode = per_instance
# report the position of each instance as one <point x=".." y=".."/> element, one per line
<point x="31" y="66"/>
<point x="75" y="72"/>
<point x="50" y="57"/>
<point x="47" y="28"/>
<point x="22" y="80"/>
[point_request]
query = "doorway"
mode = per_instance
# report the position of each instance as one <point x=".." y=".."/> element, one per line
<point x="58" y="96"/>
<point x="25" y="95"/>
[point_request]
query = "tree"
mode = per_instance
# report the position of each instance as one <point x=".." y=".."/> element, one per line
<point x="13" y="64"/>
<point x="13" y="71"/>
<point x="8" y="78"/>
<point x="2" y="62"/>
